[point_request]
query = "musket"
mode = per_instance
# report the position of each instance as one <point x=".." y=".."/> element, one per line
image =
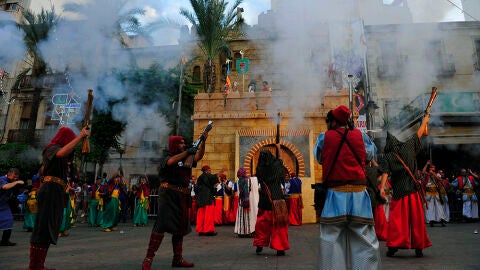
<point x="86" y="122"/>
<point x="85" y="141"/>
<point x="433" y="95"/>
<point x="189" y="160"/>
<point x="277" y="137"/>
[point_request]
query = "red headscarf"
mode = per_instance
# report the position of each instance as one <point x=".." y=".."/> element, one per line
<point x="63" y="137"/>
<point x="173" y="143"/>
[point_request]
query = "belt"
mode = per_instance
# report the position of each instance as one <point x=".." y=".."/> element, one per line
<point x="349" y="188"/>
<point x="295" y="195"/>
<point x="183" y="190"/>
<point x="55" y="180"/>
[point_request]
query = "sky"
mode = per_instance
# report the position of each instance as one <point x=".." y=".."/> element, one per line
<point x="170" y="8"/>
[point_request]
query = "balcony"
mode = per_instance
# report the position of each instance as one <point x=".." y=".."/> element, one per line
<point x="47" y="81"/>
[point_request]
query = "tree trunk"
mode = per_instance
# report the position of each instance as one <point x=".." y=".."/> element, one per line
<point x="210" y="77"/>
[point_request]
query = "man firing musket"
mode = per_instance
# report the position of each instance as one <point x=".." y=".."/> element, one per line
<point x="407" y="228"/>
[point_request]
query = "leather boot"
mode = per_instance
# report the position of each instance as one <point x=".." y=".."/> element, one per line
<point x="177" y="244"/>
<point x="153" y="245"/>
<point x="38" y="253"/>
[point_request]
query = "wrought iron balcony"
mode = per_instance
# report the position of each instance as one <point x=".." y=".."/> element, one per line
<point x="41" y="137"/>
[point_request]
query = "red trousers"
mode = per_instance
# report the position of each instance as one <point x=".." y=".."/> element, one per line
<point x="381" y="223"/>
<point x="268" y="234"/>
<point x="231" y="213"/>
<point x="295" y="207"/>
<point x="193" y="210"/>
<point x="205" y="222"/>
<point x="219" y="216"/>
<point x="406" y="228"/>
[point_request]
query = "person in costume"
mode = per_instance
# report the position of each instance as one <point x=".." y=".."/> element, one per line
<point x="465" y="183"/>
<point x="31" y="209"/>
<point x="140" y="217"/>
<point x="270" y="230"/>
<point x="111" y="203"/>
<point x="347" y="233"/>
<point x="230" y="201"/>
<point x="406" y="225"/>
<point x="7" y="184"/>
<point x="68" y="211"/>
<point x="205" y="191"/>
<point x="51" y="195"/>
<point x="377" y="198"/>
<point x="219" y="200"/>
<point x="295" y="201"/>
<point x="174" y="199"/>
<point x="95" y="213"/>
<point x="247" y="204"/>
<point x="193" y="209"/>
<point x="433" y="187"/>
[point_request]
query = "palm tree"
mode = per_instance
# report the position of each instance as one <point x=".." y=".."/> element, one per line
<point x="214" y="26"/>
<point x="36" y="28"/>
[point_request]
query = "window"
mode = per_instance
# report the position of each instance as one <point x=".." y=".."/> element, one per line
<point x="150" y="140"/>
<point x="477" y="54"/>
<point x="196" y="74"/>
<point x="236" y="56"/>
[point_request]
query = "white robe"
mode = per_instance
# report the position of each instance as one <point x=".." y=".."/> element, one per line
<point x="246" y="224"/>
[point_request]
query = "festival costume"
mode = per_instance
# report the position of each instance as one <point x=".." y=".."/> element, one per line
<point x="347" y="234"/>
<point x="110" y="212"/>
<point x="381" y="224"/>
<point x="247" y="205"/>
<point x="173" y="204"/>
<point x="407" y="228"/>
<point x="50" y="198"/>
<point x="268" y="231"/>
<point x="205" y="191"/>
<point x="31" y="210"/>
<point x="466" y="184"/>
<point x="6" y="217"/>
<point x="230" y="203"/>
<point x="219" y="214"/>
<point x="435" y="211"/>
<point x="95" y="214"/>
<point x="140" y="216"/>
<point x="295" y="201"/>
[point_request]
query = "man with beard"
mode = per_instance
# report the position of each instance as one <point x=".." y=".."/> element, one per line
<point x="407" y="228"/>
<point x="174" y="200"/>
<point x="51" y="195"/>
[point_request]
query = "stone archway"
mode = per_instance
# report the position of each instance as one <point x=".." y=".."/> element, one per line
<point x="291" y="156"/>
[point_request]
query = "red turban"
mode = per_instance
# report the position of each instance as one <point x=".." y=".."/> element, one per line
<point x="205" y="168"/>
<point x="63" y="137"/>
<point x="341" y="114"/>
<point x="223" y="176"/>
<point x="173" y="143"/>
<point x="293" y="174"/>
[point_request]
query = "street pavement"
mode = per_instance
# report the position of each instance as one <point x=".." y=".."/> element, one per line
<point x="454" y="247"/>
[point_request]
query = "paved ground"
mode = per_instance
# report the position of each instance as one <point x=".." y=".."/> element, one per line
<point x="454" y="247"/>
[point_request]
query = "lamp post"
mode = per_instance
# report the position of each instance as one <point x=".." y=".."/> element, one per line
<point x="350" y="93"/>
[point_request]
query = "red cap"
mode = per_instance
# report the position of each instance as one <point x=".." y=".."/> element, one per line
<point x="205" y="168"/>
<point x="341" y="114"/>
<point x="223" y="176"/>
<point x="293" y="174"/>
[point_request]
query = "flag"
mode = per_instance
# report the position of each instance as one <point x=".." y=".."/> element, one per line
<point x="228" y="82"/>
